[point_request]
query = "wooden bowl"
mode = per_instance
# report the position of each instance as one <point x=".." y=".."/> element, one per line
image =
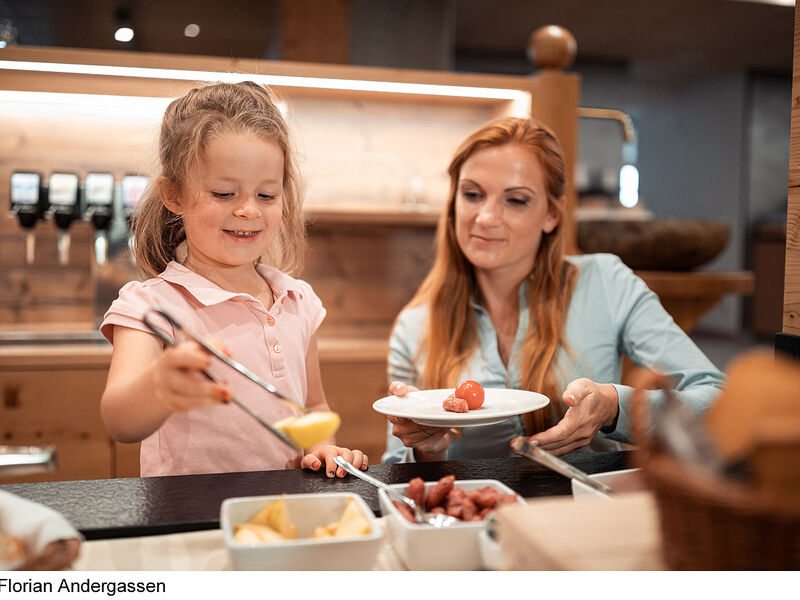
<point x="656" y="244"/>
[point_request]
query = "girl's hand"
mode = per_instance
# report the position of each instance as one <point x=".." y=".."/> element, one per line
<point x="591" y="406"/>
<point x="178" y="383"/>
<point x="429" y="443"/>
<point x="325" y="454"/>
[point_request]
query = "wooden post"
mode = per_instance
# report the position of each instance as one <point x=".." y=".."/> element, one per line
<point x="555" y="97"/>
<point x="791" y="282"/>
<point x="315" y="31"/>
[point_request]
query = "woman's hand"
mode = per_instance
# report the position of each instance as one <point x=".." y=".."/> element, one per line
<point x="429" y="443"/>
<point x="325" y="454"/>
<point x="591" y="406"/>
<point x="177" y="380"/>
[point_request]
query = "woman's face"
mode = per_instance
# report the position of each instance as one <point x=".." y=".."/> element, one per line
<point x="501" y="210"/>
<point x="232" y="208"/>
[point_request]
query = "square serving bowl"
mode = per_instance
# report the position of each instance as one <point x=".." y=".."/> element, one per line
<point x="627" y="480"/>
<point x="306" y="511"/>
<point x="426" y="548"/>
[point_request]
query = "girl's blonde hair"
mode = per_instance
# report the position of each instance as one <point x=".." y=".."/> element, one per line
<point x="188" y="123"/>
<point x="451" y="335"/>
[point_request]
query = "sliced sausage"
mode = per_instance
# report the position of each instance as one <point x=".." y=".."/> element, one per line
<point x="405" y="510"/>
<point x="455" y="502"/>
<point x="453" y="404"/>
<point x="416" y="491"/>
<point x="439" y="492"/>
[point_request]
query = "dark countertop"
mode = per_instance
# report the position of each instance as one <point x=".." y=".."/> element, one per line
<point x="110" y="508"/>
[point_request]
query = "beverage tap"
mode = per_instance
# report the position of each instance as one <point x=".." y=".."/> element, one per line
<point x="98" y="194"/>
<point x="133" y="189"/>
<point x="27" y="200"/>
<point x="64" y="208"/>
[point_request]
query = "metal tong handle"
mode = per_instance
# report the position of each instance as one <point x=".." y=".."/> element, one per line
<point x="378" y="483"/>
<point x="232" y="363"/>
<point x="551" y="461"/>
<point x="228" y="361"/>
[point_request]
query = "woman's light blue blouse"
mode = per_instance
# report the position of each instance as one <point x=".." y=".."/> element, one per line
<point x="612" y="312"/>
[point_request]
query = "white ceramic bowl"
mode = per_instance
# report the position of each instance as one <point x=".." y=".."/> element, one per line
<point x="307" y="511"/>
<point x="627" y="480"/>
<point x="426" y="548"/>
<point x="491" y="555"/>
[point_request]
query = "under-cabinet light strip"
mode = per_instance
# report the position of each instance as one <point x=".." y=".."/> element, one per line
<point x="276" y="80"/>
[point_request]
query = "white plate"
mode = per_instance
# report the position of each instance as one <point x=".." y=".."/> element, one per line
<point x="425" y="407"/>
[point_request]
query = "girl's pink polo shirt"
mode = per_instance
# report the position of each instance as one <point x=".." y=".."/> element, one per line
<point x="272" y="343"/>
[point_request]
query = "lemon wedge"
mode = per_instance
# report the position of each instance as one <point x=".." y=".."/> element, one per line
<point x="310" y="429"/>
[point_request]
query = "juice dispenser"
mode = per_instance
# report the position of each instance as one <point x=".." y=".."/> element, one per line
<point x="133" y="188"/>
<point x="27" y="204"/>
<point x="119" y="267"/>
<point x="64" y="209"/>
<point x="98" y="194"/>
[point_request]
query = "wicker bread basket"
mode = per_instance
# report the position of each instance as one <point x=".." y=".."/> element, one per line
<point x="708" y="522"/>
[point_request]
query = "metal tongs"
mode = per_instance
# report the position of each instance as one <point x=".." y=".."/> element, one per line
<point x="543" y="457"/>
<point x="420" y="516"/>
<point x="147" y="319"/>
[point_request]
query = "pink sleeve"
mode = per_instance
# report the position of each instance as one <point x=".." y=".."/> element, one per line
<point x="128" y="309"/>
<point x="313" y="311"/>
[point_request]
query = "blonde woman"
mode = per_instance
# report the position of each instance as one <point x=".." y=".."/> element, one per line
<point x="502" y="305"/>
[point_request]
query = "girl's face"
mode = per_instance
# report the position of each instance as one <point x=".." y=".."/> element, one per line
<point x="501" y="209"/>
<point x="232" y="208"/>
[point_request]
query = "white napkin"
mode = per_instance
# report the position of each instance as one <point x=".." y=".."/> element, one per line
<point x="32" y="523"/>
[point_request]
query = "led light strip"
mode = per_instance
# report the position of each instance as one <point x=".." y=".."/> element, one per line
<point x="425" y="89"/>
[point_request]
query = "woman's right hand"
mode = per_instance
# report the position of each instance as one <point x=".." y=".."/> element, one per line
<point x="178" y="381"/>
<point x="429" y="443"/>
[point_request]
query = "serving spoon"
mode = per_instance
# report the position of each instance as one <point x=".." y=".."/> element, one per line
<point x="297" y="432"/>
<point x="420" y="516"/>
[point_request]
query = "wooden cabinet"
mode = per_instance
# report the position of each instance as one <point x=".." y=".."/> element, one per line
<point x="52" y="396"/>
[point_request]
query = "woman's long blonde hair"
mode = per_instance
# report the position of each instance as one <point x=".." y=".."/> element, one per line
<point x="451" y="335"/>
<point x="188" y="123"/>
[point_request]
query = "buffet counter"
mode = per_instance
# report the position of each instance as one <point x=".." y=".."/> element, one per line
<point x="113" y="508"/>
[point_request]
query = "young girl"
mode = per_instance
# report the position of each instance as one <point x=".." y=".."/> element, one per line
<point x="226" y="199"/>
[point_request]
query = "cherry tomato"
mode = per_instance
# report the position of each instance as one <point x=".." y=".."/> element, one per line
<point x="472" y="392"/>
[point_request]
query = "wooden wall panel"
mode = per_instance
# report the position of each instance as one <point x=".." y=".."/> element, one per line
<point x="351" y="385"/>
<point x="365" y="275"/>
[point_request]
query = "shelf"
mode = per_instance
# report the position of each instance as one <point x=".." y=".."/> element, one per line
<point x="420" y="215"/>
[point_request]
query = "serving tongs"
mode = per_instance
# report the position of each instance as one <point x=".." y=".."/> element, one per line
<point x="543" y="457"/>
<point x="147" y="319"/>
<point x="420" y="516"/>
